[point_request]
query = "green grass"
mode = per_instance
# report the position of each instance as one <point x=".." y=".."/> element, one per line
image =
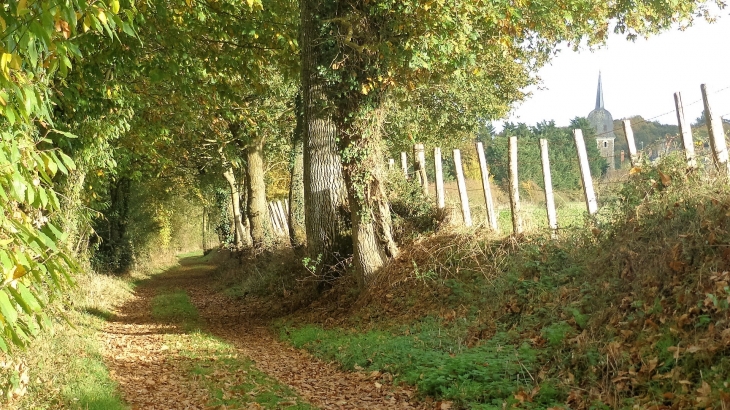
<point x="534" y="216"/>
<point x="427" y="355"/>
<point x="66" y="368"/>
<point x="176" y="307"/>
<point x="192" y="254"/>
<point x="92" y="387"/>
<point x="233" y="381"/>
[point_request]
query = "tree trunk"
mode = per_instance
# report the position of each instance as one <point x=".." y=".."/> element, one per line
<point x="242" y="238"/>
<point x="325" y="196"/>
<point x="115" y="246"/>
<point x="243" y="200"/>
<point x="372" y="229"/>
<point x="258" y="214"/>
<point x="295" y="213"/>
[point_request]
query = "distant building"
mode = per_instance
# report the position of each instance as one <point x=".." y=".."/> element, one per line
<point x="602" y="122"/>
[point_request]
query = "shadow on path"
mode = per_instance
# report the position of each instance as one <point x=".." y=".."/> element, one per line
<point x="155" y="375"/>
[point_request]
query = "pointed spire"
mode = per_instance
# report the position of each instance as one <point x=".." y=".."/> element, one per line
<point x="599" y="94"/>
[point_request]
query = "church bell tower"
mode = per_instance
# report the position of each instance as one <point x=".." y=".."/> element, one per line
<point x="602" y="122"/>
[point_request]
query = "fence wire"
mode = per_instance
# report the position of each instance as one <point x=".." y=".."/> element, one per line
<point x="602" y="185"/>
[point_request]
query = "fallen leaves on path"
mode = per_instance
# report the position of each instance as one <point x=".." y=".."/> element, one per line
<point x="321" y="384"/>
<point x="153" y="375"/>
<point x="148" y="371"/>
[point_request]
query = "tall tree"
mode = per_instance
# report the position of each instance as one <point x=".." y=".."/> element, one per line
<point x="362" y="50"/>
<point x="325" y="196"/>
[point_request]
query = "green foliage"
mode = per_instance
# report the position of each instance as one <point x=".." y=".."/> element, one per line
<point x="561" y="148"/>
<point x="411" y="212"/>
<point x="647" y="135"/>
<point x="34" y="260"/>
<point x="224" y="220"/>
<point x="38" y="43"/>
<point x="556" y="333"/>
<point x="489" y="373"/>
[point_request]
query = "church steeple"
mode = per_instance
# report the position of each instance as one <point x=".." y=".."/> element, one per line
<point x="602" y="121"/>
<point x="599" y="93"/>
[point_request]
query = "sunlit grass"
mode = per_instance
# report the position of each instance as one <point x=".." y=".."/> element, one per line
<point x="176" y="307"/>
<point x="66" y="368"/>
<point x="232" y="380"/>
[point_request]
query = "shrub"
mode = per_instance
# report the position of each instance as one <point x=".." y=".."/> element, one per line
<point x="412" y="212"/>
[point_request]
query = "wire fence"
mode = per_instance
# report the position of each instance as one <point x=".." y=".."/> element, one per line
<point x="473" y="191"/>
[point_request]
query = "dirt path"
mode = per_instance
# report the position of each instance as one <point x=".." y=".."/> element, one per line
<point x="153" y="375"/>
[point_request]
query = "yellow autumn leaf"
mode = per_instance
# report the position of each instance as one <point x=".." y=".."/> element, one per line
<point x="22" y="6"/>
<point x="19" y="271"/>
<point x="250" y="4"/>
<point x="4" y="62"/>
<point x="101" y="16"/>
<point x="115" y="6"/>
<point x="634" y="170"/>
<point x="3" y="25"/>
<point x="15" y="62"/>
<point x="87" y="23"/>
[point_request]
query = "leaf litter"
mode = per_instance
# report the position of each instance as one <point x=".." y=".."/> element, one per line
<point x="171" y="364"/>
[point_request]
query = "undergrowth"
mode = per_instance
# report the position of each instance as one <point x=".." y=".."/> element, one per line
<point x="278" y="279"/>
<point x="412" y="212"/>
<point x="629" y="312"/>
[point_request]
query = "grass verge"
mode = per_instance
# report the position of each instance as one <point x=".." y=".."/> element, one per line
<point x="63" y="367"/>
<point x="233" y="381"/>
<point x="483" y="377"/>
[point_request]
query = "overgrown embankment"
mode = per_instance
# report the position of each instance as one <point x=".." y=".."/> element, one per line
<point x="631" y="311"/>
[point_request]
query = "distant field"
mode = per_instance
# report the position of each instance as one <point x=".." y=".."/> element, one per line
<point x="570" y="206"/>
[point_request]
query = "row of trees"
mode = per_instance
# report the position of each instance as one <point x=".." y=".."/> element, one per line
<point x="563" y="159"/>
<point x="108" y="102"/>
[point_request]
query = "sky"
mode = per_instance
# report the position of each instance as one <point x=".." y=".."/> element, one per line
<point x="639" y="78"/>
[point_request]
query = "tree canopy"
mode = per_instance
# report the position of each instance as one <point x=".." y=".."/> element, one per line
<point x="102" y="99"/>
